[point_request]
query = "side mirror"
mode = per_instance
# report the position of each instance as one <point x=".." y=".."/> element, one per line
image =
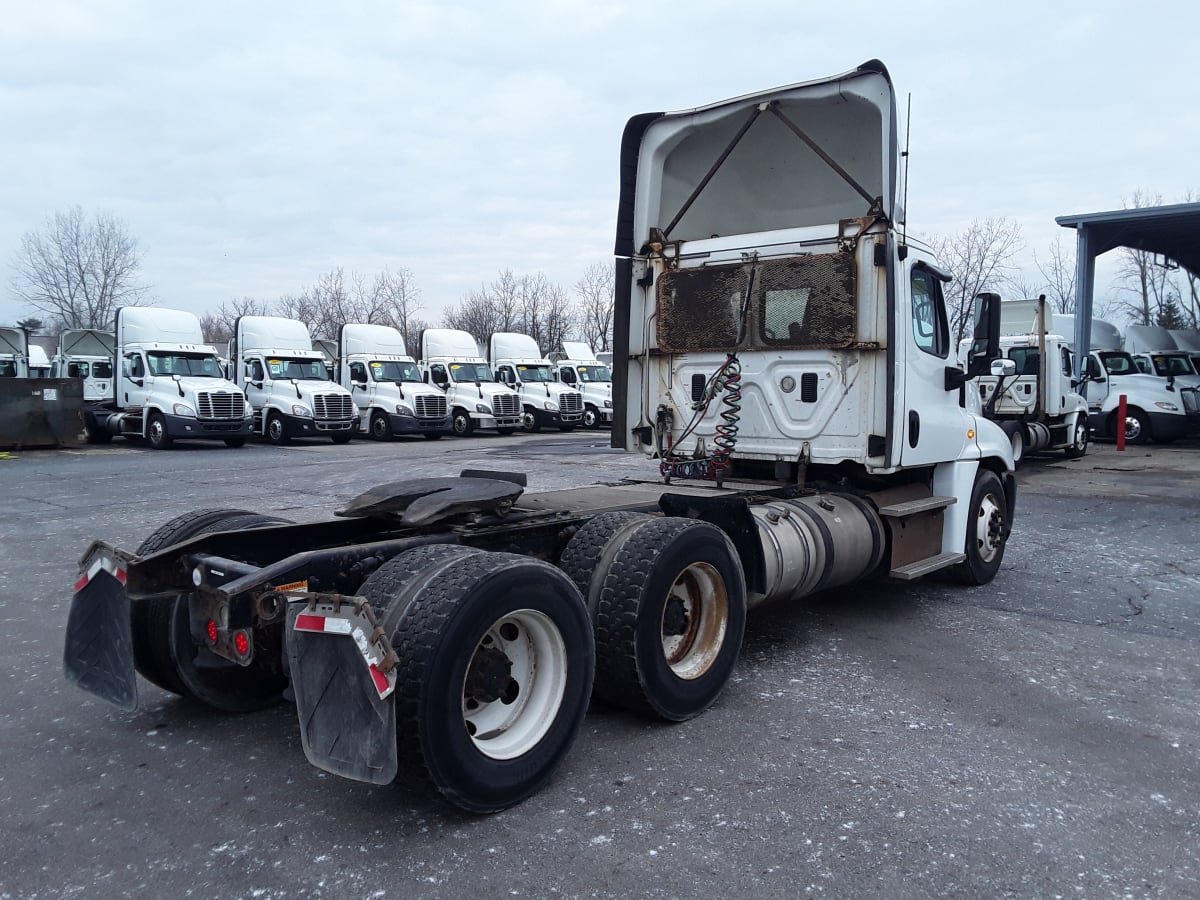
<point x="1004" y="368"/>
<point x="985" y="342"/>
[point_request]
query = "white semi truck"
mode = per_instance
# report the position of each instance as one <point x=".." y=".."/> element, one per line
<point x="1155" y="352"/>
<point x="518" y="362"/>
<point x="167" y="385"/>
<point x="791" y="384"/>
<point x="387" y="386"/>
<point x="579" y="368"/>
<point x="287" y="383"/>
<point x="451" y="361"/>
<point x="88" y="354"/>
<point x="14" y="353"/>
<point x="1035" y="404"/>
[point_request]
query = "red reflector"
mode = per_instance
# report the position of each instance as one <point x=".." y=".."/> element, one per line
<point x="241" y="643"/>
<point x="381" y="682"/>
<point x="211" y="629"/>
<point x="82" y="583"/>
<point x="310" y="623"/>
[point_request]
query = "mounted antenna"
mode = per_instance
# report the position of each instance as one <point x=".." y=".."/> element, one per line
<point x="904" y="155"/>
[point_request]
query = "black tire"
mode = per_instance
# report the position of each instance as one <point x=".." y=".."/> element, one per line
<point x="227" y="688"/>
<point x="156" y="432"/>
<point x="277" y="431"/>
<point x="400" y="573"/>
<point x="568" y="427"/>
<point x="583" y="556"/>
<point x="235" y="442"/>
<point x="506" y="431"/>
<point x="591" y="417"/>
<point x="169" y="533"/>
<point x="1079" y="441"/>
<point x="491" y="629"/>
<point x="987" y="531"/>
<point x="95" y="432"/>
<point x="662" y="571"/>
<point x="342" y="437"/>
<point x="381" y="426"/>
<point x="531" y="421"/>
<point x="1137" y="427"/>
<point x="433" y="436"/>
<point x="462" y="424"/>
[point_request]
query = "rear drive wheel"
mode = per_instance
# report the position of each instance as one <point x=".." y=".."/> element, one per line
<point x="277" y="430"/>
<point x="462" y="423"/>
<point x="670" y="618"/>
<point x="584" y="556"/>
<point x="496" y="661"/>
<point x="381" y="426"/>
<point x="987" y="530"/>
<point x="156" y="432"/>
<point x="1079" y="441"/>
<point x="215" y="682"/>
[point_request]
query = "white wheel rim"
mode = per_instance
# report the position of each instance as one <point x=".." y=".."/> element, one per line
<point x="1018" y="446"/>
<point x="699" y="593"/>
<point x="510" y="725"/>
<point x="989" y="523"/>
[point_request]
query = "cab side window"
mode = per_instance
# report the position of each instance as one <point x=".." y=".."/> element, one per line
<point x="437" y="374"/>
<point x="137" y="368"/>
<point x="930" y="331"/>
<point x="1066" y="361"/>
<point x="358" y="372"/>
<point x="567" y="375"/>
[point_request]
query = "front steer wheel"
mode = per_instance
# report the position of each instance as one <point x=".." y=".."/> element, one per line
<point x="670" y="617"/>
<point x="987" y="531"/>
<point x="496" y="662"/>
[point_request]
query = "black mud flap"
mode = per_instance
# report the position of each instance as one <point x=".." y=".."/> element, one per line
<point x="345" y="727"/>
<point x="98" y="652"/>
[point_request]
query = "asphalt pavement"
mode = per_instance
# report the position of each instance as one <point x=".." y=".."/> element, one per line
<point x="1035" y="737"/>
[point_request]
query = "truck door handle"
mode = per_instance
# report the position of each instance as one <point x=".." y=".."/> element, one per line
<point x="914" y="427"/>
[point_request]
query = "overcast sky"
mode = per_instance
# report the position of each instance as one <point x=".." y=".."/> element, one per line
<point x="251" y="146"/>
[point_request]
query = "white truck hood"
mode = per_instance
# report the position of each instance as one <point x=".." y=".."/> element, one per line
<point x="809" y="154"/>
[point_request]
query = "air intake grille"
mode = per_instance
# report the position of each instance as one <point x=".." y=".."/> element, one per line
<point x="431" y="407"/>
<point x="506" y="405"/>
<point x="220" y="405"/>
<point x="333" y="406"/>
<point x="799" y="302"/>
<point x="570" y="402"/>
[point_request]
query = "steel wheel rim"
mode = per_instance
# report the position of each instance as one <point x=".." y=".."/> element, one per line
<point x="275" y="428"/>
<point x="379" y="427"/>
<point x="1133" y="428"/>
<point x="460" y="424"/>
<point x="528" y="421"/>
<point x="700" y="591"/>
<point x="1081" y="437"/>
<point x="512" y="724"/>
<point x="989" y="524"/>
<point x="1018" y="445"/>
<point x="157" y="430"/>
<point x="590" y="418"/>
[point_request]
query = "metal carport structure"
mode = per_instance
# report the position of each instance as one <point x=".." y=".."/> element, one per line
<point x="1171" y="231"/>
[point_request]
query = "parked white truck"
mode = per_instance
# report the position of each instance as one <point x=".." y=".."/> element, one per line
<point x="14" y="353"/>
<point x="449" y="632"/>
<point x="517" y="362"/>
<point x="387" y="386"/>
<point x="579" y="368"/>
<point x="88" y="354"/>
<point x="1036" y="404"/>
<point x="168" y="383"/>
<point x="1155" y="352"/>
<point x="287" y="383"/>
<point x="451" y="361"/>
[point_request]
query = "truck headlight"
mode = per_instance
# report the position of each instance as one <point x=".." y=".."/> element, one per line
<point x="608" y="404"/>
<point x="1169" y="407"/>
<point x="299" y="410"/>
<point x="553" y="407"/>
<point x="247" y="409"/>
<point x="402" y="410"/>
<point x="182" y="409"/>
<point x="483" y="408"/>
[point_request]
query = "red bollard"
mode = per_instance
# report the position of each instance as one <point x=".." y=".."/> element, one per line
<point x="1121" y="422"/>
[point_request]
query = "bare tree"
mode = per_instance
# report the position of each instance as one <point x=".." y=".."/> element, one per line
<point x="218" y="326"/>
<point x="1147" y="278"/>
<point x="529" y="304"/>
<point x="980" y="259"/>
<point x="1058" y="269"/>
<point x="596" y="293"/>
<point x="77" y="270"/>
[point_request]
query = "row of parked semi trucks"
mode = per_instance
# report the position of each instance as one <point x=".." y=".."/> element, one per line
<point x="155" y="378"/>
<point x="1033" y="394"/>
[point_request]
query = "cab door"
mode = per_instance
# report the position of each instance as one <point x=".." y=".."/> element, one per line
<point x="932" y="423"/>
<point x="135" y="380"/>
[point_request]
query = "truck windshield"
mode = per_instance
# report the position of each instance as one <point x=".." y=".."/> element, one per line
<point x="1172" y="364"/>
<point x="300" y="369"/>
<point x="535" y="373"/>
<point x="470" y="371"/>
<point x="394" y="371"/>
<point x="195" y="365"/>
<point x="594" y="373"/>
<point x="1118" y="363"/>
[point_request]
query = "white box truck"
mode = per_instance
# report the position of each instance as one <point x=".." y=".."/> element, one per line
<point x="469" y="623"/>
<point x="386" y="383"/>
<point x="287" y="383"/>
<point x="579" y="368"/>
<point x="168" y="384"/>
<point x="518" y="362"/>
<point x="451" y="361"/>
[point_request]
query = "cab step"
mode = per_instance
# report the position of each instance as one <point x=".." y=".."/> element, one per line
<point x="913" y="507"/>
<point x="921" y="567"/>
